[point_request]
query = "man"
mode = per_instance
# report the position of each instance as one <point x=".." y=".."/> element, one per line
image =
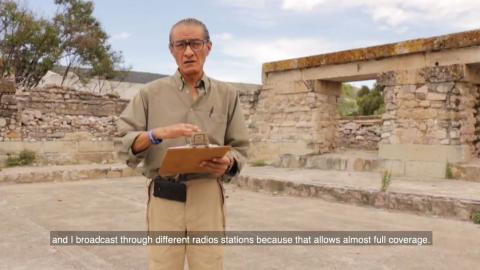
<point x="162" y="115"/>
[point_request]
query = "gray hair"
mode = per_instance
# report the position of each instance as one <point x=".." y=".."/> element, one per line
<point x="191" y="21"/>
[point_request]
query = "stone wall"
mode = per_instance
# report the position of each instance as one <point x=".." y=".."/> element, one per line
<point x="477" y="129"/>
<point x="431" y="106"/>
<point x="293" y="117"/>
<point x="61" y="125"/>
<point x="8" y="107"/>
<point x="50" y="113"/>
<point x="359" y="132"/>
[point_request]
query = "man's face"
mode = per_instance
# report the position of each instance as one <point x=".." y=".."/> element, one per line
<point x="190" y="60"/>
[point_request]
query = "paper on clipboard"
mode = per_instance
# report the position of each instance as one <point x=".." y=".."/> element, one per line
<point x="187" y="159"/>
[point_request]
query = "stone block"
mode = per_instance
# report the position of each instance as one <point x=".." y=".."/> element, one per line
<point x="451" y="73"/>
<point x="420" y="169"/>
<point x="59" y="147"/>
<point x="422" y="152"/>
<point x="436" y="96"/>
<point x="17" y="146"/>
<point x="95" y="146"/>
<point x="395" y="167"/>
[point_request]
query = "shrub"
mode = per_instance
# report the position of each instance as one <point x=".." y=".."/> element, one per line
<point x="386" y="179"/>
<point x="258" y="163"/>
<point x="448" y="172"/>
<point x="25" y="157"/>
<point x="476" y="218"/>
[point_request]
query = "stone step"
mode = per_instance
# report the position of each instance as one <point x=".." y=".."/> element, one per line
<point x="465" y="171"/>
<point x="445" y="198"/>
<point x="368" y="161"/>
<point x="433" y="197"/>
<point x="65" y="173"/>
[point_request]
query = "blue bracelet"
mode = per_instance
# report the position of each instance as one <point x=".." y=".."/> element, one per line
<point x="152" y="138"/>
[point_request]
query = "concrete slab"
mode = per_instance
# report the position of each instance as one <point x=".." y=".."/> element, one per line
<point x="30" y="211"/>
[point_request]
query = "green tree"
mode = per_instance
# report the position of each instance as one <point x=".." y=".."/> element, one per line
<point x="84" y="42"/>
<point x="29" y="47"/>
<point x="370" y="102"/>
<point x="348" y="104"/>
<point x="364" y="90"/>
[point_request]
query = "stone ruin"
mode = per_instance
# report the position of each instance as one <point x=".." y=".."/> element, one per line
<point x="431" y="91"/>
<point x="62" y="125"/>
<point x="432" y="98"/>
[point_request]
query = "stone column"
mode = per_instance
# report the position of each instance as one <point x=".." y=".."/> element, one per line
<point x="294" y="117"/>
<point x="325" y="115"/>
<point x="430" y="119"/>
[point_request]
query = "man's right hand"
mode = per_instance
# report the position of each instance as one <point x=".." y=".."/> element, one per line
<point x="142" y="142"/>
<point x="175" y="131"/>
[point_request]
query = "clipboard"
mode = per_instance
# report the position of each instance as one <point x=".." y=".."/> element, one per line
<point x="187" y="159"/>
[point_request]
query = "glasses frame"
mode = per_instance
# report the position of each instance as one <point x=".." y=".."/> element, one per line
<point x="188" y="42"/>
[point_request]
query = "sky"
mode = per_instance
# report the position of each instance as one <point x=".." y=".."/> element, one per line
<point x="247" y="33"/>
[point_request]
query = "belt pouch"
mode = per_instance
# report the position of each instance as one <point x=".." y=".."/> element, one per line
<point x="169" y="190"/>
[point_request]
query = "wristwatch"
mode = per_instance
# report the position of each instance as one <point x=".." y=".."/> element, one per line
<point x="153" y="139"/>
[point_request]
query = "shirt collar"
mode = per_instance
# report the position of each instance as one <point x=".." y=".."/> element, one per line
<point x="203" y="84"/>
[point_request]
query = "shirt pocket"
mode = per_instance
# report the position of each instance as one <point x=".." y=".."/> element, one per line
<point x="216" y="128"/>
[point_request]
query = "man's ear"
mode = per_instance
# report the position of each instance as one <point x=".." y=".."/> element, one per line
<point x="209" y="47"/>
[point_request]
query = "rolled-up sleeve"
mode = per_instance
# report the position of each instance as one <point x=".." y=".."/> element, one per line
<point x="131" y="123"/>
<point x="237" y="136"/>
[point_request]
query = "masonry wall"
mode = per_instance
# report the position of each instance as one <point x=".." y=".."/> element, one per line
<point x="283" y="119"/>
<point x="301" y="117"/>
<point x="8" y="107"/>
<point x="431" y="106"/>
<point x="362" y="133"/>
<point x="61" y="125"/>
<point x="477" y="128"/>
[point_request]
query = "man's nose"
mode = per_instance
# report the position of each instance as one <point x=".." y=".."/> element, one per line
<point x="188" y="51"/>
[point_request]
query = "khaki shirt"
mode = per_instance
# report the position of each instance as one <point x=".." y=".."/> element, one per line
<point x="168" y="101"/>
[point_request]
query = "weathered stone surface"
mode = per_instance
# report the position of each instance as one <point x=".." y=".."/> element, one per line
<point x="359" y="133"/>
<point x="420" y="203"/>
<point x="458" y="40"/>
<point x="6" y="86"/>
<point x="50" y="113"/>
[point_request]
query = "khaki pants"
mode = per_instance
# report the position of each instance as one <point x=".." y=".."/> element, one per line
<point x="203" y="211"/>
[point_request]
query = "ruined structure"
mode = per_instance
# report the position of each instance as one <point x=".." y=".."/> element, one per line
<point x="431" y="123"/>
<point x="61" y="125"/>
<point x="431" y="94"/>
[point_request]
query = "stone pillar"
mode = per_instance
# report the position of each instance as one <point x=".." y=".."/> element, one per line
<point x="430" y="119"/>
<point x="294" y="117"/>
<point x="325" y="115"/>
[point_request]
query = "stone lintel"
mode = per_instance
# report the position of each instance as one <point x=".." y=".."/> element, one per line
<point x="432" y="44"/>
<point x="435" y="74"/>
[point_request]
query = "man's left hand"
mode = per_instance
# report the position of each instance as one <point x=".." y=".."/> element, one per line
<point x="217" y="166"/>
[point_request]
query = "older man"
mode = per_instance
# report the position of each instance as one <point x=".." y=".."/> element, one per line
<point x="165" y="112"/>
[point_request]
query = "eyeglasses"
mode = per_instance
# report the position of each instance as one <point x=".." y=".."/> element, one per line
<point x="195" y="44"/>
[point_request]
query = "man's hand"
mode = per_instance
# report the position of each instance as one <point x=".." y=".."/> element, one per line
<point x="217" y="166"/>
<point x="142" y="142"/>
<point x="175" y="131"/>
